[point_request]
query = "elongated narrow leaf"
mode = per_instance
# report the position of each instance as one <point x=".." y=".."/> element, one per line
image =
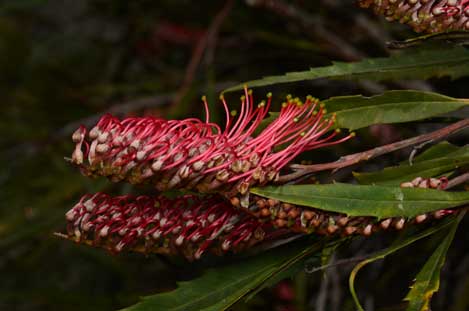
<point x="397" y="245"/>
<point x="434" y="152"/>
<point x="221" y="287"/>
<point x="427" y="281"/>
<point x="359" y="200"/>
<point x="412" y="64"/>
<point x="426" y="168"/>
<point x="447" y="37"/>
<point x="354" y="112"/>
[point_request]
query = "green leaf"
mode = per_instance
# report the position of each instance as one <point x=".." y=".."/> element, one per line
<point x="221" y="287"/>
<point x="423" y="168"/>
<point x="437" y="151"/>
<point x="447" y="37"/>
<point x="355" y="112"/>
<point x="427" y="281"/>
<point x="364" y="200"/>
<point x="397" y="245"/>
<point x="411" y="64"/>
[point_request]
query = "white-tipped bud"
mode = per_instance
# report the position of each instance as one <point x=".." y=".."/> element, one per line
<point x="197" y="166"/>
<point x="420" y="218"/>
<point x="175" y="180"/>
<point x="89" y="205"/>
<point x="416" y="182"/>
<point x="386" y="223"/>
<point x="70" y="215"/>
<point x="192" y="152"/>
<point x="156" y="235"/>
<point x="102" y="148"/>
<point x="434" y="183"/>
<point x="399" y="225"/>
<point x="103" y="137"/>
<point x="195" y="237"/>
<point x="77" y="156"/>
<point x="141" y="155"/>
<point x="179" y="240"/>
<point x="184" y="172"/>
<point x="157" y="165"/>
<point x="254" y="159"/>
<point x="198" y="254"/>
<point x="178" y="156"/>
<point x="78" y="136"/>
<point x="211" y="217"/>
<point x="368" y="230"/>
<point x="77" y="233"/>
<point x="119" y="247"/>
<point x="407" y="185"/>
<point x="237" y="166"/>
<point x="94" y="133"/>
<point x="104" y="232"/>
<point x="223" y="175"/>
<point x="226" y="245"/>
<point x="424" y="183"/>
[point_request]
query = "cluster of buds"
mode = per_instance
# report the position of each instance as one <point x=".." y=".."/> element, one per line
<point x="195" y="155"/>
<point x="424" y="15"/>
<point x="187" y="225"/>
<point x="309" y="220"/>
<point x="432" y="183"/>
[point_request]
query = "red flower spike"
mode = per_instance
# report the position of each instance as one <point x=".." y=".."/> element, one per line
<point x="196" y="155"/>
<point x="187" y="225"/>
<point x="424" y="15"/>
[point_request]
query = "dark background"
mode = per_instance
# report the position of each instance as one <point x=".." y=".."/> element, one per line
<point x="63" y="63"/>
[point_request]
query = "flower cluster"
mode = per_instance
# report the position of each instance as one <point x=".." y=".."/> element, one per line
<point x="308" y="220"/>
<point x="195" y="155"/>
<point x="424" y="15"/>
<point x="187" y="225"/>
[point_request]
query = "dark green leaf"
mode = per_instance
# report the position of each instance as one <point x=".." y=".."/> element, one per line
<point x="422" y="168"/>
<point x="412" y="64"/>
<point x="219" y="288"/>
<point x="360" y="200"/>
<point x="397" y="245"/>
<point x="437" y="151"/>
<point x="354" y="112"/>
<point x="447" y="37"/>
<point x="427" y="281"/>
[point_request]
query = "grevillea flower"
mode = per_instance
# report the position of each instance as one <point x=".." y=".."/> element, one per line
<point x="310" y="220"/>
<point x="196" y="155"/>
<point x="424" y="15"/>
<point x="187" y="225"/>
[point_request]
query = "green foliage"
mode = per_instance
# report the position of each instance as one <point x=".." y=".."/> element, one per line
<point x="427" y="281"/>
<point x="221" y="287"/>
<point x="411" y="64"/>
<point x="364" y="200"/>
<point x="424" y="167"/>
<point x="355" y="112"/>
<point x="397" y="245"/>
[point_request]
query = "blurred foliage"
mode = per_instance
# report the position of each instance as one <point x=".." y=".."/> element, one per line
<point x="62" y="62"/>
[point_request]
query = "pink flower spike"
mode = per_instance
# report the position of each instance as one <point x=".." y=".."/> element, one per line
<point x="195" y="155"/>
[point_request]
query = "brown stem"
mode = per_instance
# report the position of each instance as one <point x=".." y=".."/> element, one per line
<point x="458" y="180"/>
<point x="352" y="159"/>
